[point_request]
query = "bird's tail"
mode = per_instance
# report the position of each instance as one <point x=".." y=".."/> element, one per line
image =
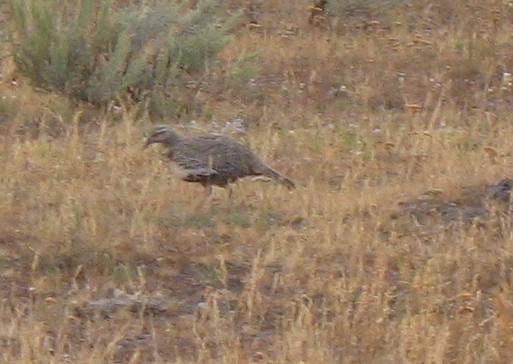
<point x="287" y="182"/>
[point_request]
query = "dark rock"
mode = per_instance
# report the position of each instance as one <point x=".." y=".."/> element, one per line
<point x="501" y="191"/>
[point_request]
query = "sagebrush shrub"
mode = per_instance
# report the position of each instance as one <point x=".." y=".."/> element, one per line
<point x="94" y="51"/>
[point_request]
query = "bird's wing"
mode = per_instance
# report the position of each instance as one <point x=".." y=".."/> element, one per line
<point x="191" y="168"/>
<point x="224" y="156"/>
<point x="227" y="155"/>
<point x="190" y="163"/>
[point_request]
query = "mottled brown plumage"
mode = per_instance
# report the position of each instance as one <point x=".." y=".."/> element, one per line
<point x="212" y="160"/>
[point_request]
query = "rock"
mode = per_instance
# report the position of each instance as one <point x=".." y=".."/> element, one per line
<point x="131" y="302"/>
<point x="431" y="213"/>
<point x="501" y="191"/>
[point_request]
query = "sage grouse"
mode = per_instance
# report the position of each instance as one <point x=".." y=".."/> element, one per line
<point x="212" y="160"/>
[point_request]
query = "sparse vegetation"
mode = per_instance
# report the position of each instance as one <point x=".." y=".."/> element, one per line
<point x="367" y="9"/>
<point x="396" y="247"/>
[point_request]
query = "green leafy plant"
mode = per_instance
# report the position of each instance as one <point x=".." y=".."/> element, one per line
<point x="93" y="51"/>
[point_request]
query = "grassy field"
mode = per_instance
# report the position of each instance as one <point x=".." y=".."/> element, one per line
<point x="105" y="257"/>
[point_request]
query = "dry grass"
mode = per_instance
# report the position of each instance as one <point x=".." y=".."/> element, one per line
<point x="362" y="120"/>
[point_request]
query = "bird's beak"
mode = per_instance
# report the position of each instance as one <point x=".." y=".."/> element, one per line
<point x="148" y="142"/>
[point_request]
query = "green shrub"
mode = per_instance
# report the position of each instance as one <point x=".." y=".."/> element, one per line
<point x="93" y="51"/>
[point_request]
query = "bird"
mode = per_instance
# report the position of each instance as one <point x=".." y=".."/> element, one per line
<point x="211" y="159"/>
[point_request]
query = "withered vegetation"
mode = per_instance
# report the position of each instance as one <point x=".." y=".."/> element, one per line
<point x="396" y="247"/>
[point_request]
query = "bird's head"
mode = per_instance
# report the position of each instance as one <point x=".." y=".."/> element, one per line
<point x="160" y="134"/>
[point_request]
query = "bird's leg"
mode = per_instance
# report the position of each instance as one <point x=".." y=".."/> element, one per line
<point x="206" y="199"/>
<point x="208" y="195"/>
<point x="230" y="200"/>
<point x="208" y="191"/>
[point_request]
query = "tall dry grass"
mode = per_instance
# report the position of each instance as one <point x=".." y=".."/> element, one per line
<point x="362" y="118"/>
